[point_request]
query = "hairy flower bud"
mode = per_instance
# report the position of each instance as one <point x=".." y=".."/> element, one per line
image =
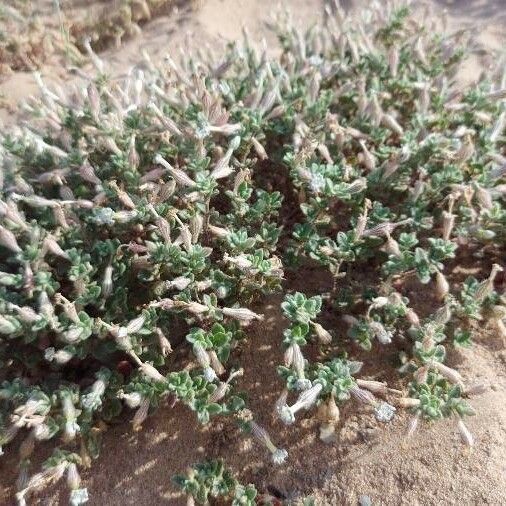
<point x="382" y="229"/>
<point x="73" y="478"/>
<point x="465" y="434"/>
<point x="442" y="286"/>
<point x="484" y="197"/>
<point x="357" y="186"/>
<point x="412" y="318"/>
<point x="87" y="173"/>
<point x="240" y="261"/>
<point x="219" y="393"/>
<point x="476" y="389"/>
<point x="391" y="246"/>
<point x="448" y="224"/>
<point x="330" y="411"/>
<point x="222" y="171"/>
<point x="259" y="149"/>
<point x="8" y="240"/>
<point x="443" y="315"/>
<point x="241" y="313"/>
<point x="276" y="112"/>
<point x="135" y="325"/>
<point x="324" y="336"/>
<point x="201" y="355"/>
<point x="449" y="373"/>
<point x="393" y="60"/>
<point x="407" y="402"/>
<point x="485" y="288"/>
<point x="197" y="308"/>
<point x="97" y="62"/>
<point x="218" y="231"/>
<point x="421" y="375"/>
<point x="133" y="156"/>
<point x="388" y="121"/>
<point x="376" y="387"/>
<point x="107" y="282"/>
<point x="179" y="176"/>
<point x="151" y="372"/>
<point x="367" y="158"/>
<point x="163" y="342"/>
<point x="215" y="363"/>
<point x="140" y="415"/>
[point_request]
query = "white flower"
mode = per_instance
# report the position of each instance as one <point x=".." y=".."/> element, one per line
<point x="103" y="216"/>
<point x="279" y="455"/>
<point x="302" y="384"/>
<point x="378" y="302"/>
<point x="317" y="182"/>
<point x="132" y="400"/>
<point x="179" y="283"/>
<point x="306" y="399"/>
<point x="383" y="335"/>
<point x="209" y="374"/>
<point x="384" y="412"/>
<point x="286" y="414"/>
<point x="60" y="356"/>
<point x="79" y="496"/>
<point x="42" y="432"/>
<point x="202" y="131"/>
<point x="315" y="60"/>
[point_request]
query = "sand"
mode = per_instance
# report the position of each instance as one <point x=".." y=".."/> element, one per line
<point x="432" y="468"/>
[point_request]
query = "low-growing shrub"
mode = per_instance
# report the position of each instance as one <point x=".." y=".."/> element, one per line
<point x="141" y="216"/>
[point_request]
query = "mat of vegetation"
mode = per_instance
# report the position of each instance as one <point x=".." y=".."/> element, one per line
<point x="148" y="214"/>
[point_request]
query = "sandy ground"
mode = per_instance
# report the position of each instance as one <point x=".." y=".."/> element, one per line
<point x="433" y="468"/>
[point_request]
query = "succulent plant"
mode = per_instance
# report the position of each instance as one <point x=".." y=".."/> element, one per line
<point x="135" y="213"/>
